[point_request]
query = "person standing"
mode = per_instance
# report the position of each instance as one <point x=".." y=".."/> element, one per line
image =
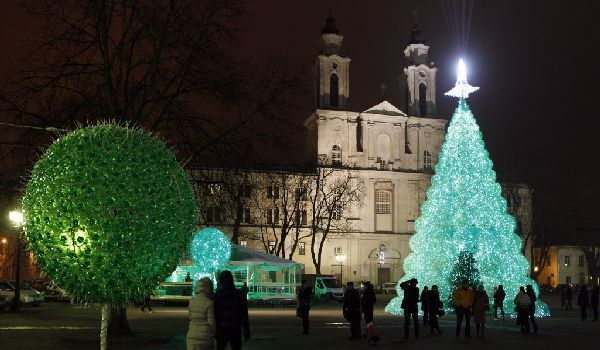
<point x="462" y="300"/>
<point x="231" y="314"/>
<point x="304" y="295"/>
<point x="563" y="298"/>
<point x="435" y="305"/>
<point x="499" y="296"/>
<point x="410" y="306"/>
<point x="352" y="310"/>
<point x="368" y="302"/>
<point x="188" y="278"/>
<point x="425" y="306"/>
<point x="522" y="302"/>
<point x="594" y="301"/>
<point x="146" y="303"/>
<point x="532" y="298"/>
<point x="202" y="317"/>
<point x="568" y="297"/>
<point x="583" y="301"/>
<point x="481" y="304"/>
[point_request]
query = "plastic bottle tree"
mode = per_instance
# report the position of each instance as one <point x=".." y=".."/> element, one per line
<point x="108" y="213"/>
<point x="465" y="212"/>
<point x="210" y="251"/>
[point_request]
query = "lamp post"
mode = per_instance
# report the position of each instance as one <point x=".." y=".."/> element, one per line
<point x="340" y="259"/>
<point x="16" y="217"/>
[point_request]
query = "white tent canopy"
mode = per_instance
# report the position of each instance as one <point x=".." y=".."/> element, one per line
<point x="241" y="256"/>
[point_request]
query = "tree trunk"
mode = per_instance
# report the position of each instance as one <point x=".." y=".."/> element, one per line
<point x="118" y="325"/>
<point x="104" y="326"/>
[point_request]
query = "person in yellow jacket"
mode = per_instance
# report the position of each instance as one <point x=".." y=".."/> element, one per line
<point x="462" y="300"/>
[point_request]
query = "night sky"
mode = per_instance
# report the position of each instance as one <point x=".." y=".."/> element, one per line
<point x="536" y="63"/>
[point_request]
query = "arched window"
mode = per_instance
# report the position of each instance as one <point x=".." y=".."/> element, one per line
<point x="334" y="95"/>
<point x="423" y="100"/>
<point x="427" y="160"/>
<point x="383" y="202"/>
<point x="336" y="155"/>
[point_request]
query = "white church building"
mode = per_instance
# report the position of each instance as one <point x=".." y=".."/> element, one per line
<point x="393" y="150"/>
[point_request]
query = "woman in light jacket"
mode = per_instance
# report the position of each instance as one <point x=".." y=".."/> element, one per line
<point x="202" y="317"/>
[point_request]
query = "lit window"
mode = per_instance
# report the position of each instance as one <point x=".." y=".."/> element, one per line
<point x="301" y="248"/>
<point x="383" y="202"/>
<point x="336" y="155"/>
<point x="427" y="160"/>
<point x="243" y="243"/>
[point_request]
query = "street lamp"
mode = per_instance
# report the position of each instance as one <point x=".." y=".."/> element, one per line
<point x="16" y="217"/>
<point x="340" y="259"/>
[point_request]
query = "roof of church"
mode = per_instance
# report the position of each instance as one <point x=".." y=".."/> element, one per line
<point x="330" y="27"/>
<point x="385" y="108"/>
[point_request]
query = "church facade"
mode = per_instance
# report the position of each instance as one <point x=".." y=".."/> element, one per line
<point x="390" y="151"/>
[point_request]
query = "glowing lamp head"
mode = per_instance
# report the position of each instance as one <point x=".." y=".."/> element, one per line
<point x="16" y="217"/>
<point x="340" y="258"/>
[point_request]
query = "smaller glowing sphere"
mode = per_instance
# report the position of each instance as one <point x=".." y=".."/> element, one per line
<point x="210" y="250"/>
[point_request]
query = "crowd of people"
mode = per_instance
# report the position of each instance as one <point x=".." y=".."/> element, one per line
<point x="585" y="300"/>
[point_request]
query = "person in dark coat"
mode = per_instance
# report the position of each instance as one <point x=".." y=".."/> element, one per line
<point x="352" y="310"/>
<point x="425" y="306"/>
<point x="583" y="301"/>
<point x="594" y="301"/>
<point x="499" y="296"/>
<point x="146" y="303"/>
<point x="231" y="314"/>
<point x="568" y="297"/>
<point x="410" y="307"/>
<point x="368" y="302"/>
<point x="435" y="306"/>
<point x="304" y="295"/>
<point x="529" y="290"/>
<point x="563" y="298"/>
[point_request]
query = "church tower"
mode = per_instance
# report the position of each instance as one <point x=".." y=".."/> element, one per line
<point x="332" y="70"/>
<point x="417" y="84"/>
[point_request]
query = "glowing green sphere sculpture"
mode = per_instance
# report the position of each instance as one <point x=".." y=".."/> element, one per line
<point x="210" y="250"/>
<point x="465" y="211"/>
<point x="108" y="213"/>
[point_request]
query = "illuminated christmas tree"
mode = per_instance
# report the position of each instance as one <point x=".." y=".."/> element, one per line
<point x="465" y="212"/>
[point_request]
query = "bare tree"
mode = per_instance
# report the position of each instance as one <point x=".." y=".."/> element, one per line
<point x="282" y="207"/>
<point x="332" y="194"/>
<point x="592" y="256"/>
<point x="163" y="65"/>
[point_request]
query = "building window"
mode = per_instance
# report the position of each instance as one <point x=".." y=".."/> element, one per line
<point x="422" y="100"/>
<point x="301" y="194"/>
<point x="337" y="251"/>
<point x="301" y="248"/>
<point x="271" y="247"/>
<point x="269" y="216"/>
<point x="212" y="214"/>
<point x="301" y="218"/>
<point x="581" y="260"/>
<point x="273" y="192"/>
<point x="276" y="216"/>
<point x="582" y="280"/>
<point x="337" y="211"/>
<point x="246" y="191"/>
<point x="568" y="279"/>
<point x="359" y="134"/>
<point x="334" y="94"/>
<point x="243" y="243"/>
<point x="567" y="260"/>
<point x="246" y="216"/>
<point x="383" y="202"/>
<point x="336" y="155"/>
<point x="427" y="160"/>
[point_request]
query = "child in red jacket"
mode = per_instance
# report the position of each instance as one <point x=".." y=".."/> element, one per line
<point x="372" y="334"/>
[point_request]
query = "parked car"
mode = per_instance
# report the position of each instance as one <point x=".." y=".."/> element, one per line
<point x="3" y="302"/>
<point x="29" y="296"/>
<point x="389" y="288"/>
<point x="50" y="290"/>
